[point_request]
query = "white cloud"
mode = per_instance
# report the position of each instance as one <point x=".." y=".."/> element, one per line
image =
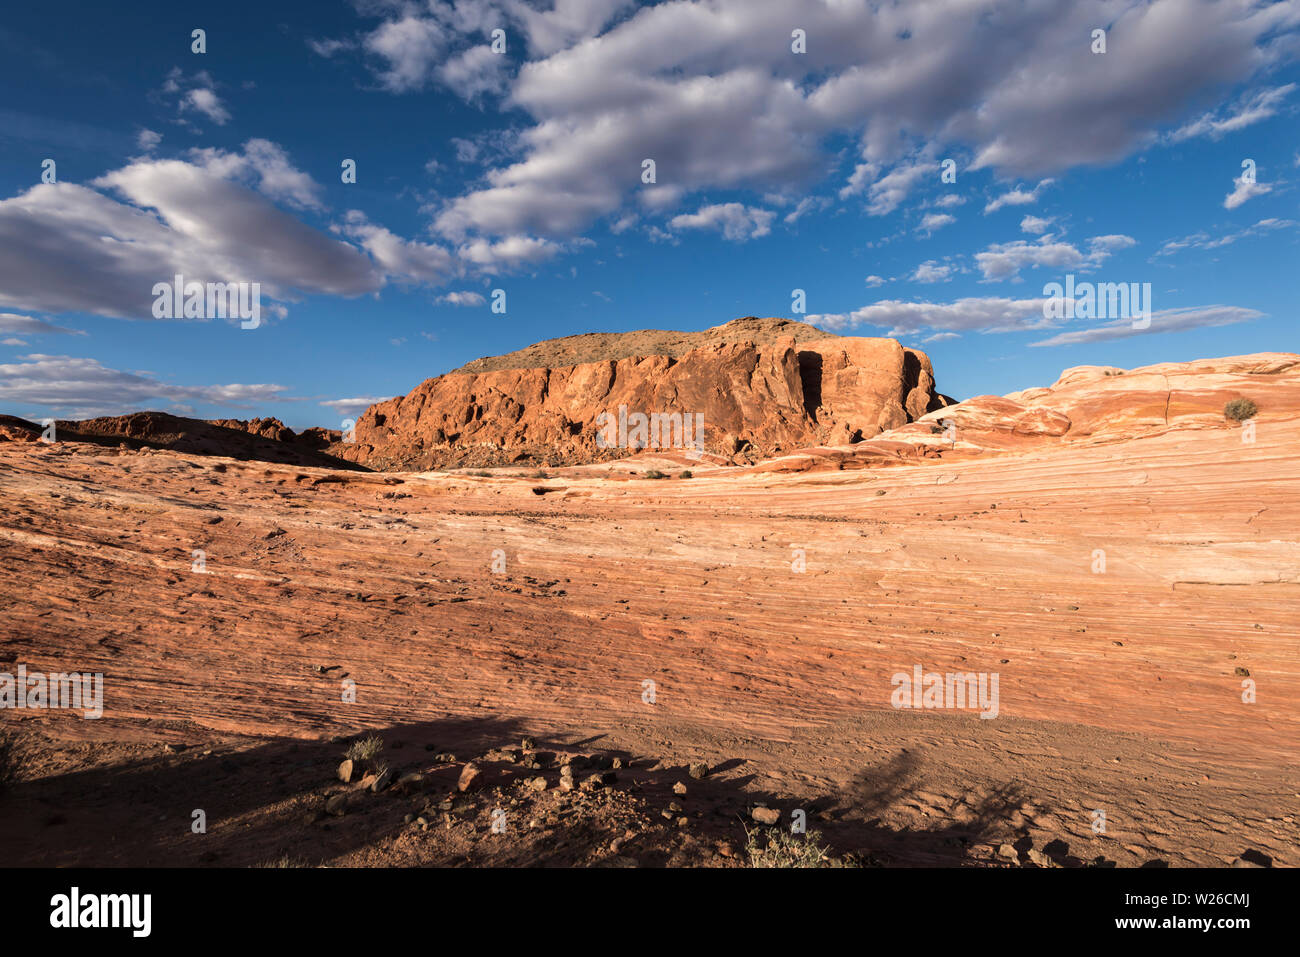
<point x="83" y="388"/>
<point x="510" y="252"/>
<point x="1167" y="320"/>
<point x="1017" y="197"/>
<point x="931" y="272"/>
<point x="410" y="48"/>
<point x="1005" y="260"/>
<point x="29" y="326"/>
<point x="328" y="48"/>
<point x="704" y="90"/>
<point x="400" y="259"/>
<point x="1036" y="224"/>
<point x="1260" y="106"/>
<point x="737" y="222"/>
<point x="463" y="298"/>
<point x="351" y="408"/>
<point x="266" y="165"/>
<point x="65" y="247"/>
<point x="147" y="140"/>
<point x="1244" y="190"/>
<point x="873" y="281"/>
<point x="207" y="102"/>
<point x="989" y="314"/>
<point x="933" y="221"/>
<point x="1203" y="240"/>
<point x="474" y="73"/>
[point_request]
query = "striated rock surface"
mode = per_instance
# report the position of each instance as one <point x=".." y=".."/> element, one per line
<point x="761" y="386"/>
<point x="771" y="611"/>
<point x="1086" y="404"/>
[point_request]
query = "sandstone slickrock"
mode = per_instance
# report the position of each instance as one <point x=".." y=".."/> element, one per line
<point x="1086" y="404"/>
<point x="1120" y="684"/>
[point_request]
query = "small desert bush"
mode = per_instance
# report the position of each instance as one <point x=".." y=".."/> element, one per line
<point x="1239" y="410"/>
<point x="655" y="474"/>
<point x="776" y="847"/>
<point x="284" y="860"/>
<point x="365" y="749"/>
<point x="480" y="473"/>
<point x="687" y="474"/>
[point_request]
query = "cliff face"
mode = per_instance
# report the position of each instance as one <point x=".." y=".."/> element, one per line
<point x="754" y="397"/>
<point x="1087" y="404"/>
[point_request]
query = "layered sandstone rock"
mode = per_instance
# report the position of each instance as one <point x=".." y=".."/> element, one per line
<point x="759" y="388"/>
<point x="1086" y="404"/>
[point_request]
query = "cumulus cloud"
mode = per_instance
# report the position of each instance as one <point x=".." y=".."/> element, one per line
<point x="886" y="193"/>
<point x="65" y="247"/>
<point x="1005" y="260"/>
<point x="736" y="221"/>
<point x="148" y="140"/>
<point x="972" y="314"/>
<point x="1035" y="224"/>
<point x="933" y="221"/>
<point x="409" y="48"/>
<point x="931" y="272"/>
<point x="463" y="298"/>
<point x="83" y="388"/>
<point x="1017" y="197"/>
<point x="703" y="89"/>
<point x="1166" y="320"/>
<point x="207" y="102"/>
<point x="509" y="253"/>
<point x="401" y="259"/>
<point x="195" y="94"/>
<point x="265" y="165"/>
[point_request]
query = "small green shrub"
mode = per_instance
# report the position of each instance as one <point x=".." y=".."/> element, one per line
<point x="365" y="749"/>
<point x="777" y="847"/>
<point x="655" y="474"/>
<point x="1239" y="410"/>
<point x="687" y="474"/>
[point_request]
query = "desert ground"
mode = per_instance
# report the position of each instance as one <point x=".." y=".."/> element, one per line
<point x="511" y="619"/>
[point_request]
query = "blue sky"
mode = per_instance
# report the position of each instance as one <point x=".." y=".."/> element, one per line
<point x="775" y="170"/>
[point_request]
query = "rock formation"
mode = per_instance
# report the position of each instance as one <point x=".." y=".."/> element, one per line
<point x="761" y="386"/>
<point x="266" y="440"/>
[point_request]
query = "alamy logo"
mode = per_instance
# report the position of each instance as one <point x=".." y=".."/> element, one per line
<point x="658" y="430"/>
<point x="75" y="909"/>
<point x="954" y="690"/>
<point x="179" y="299"/>
<point x="1103" y="300"/>
<point x="35" y="690"/>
